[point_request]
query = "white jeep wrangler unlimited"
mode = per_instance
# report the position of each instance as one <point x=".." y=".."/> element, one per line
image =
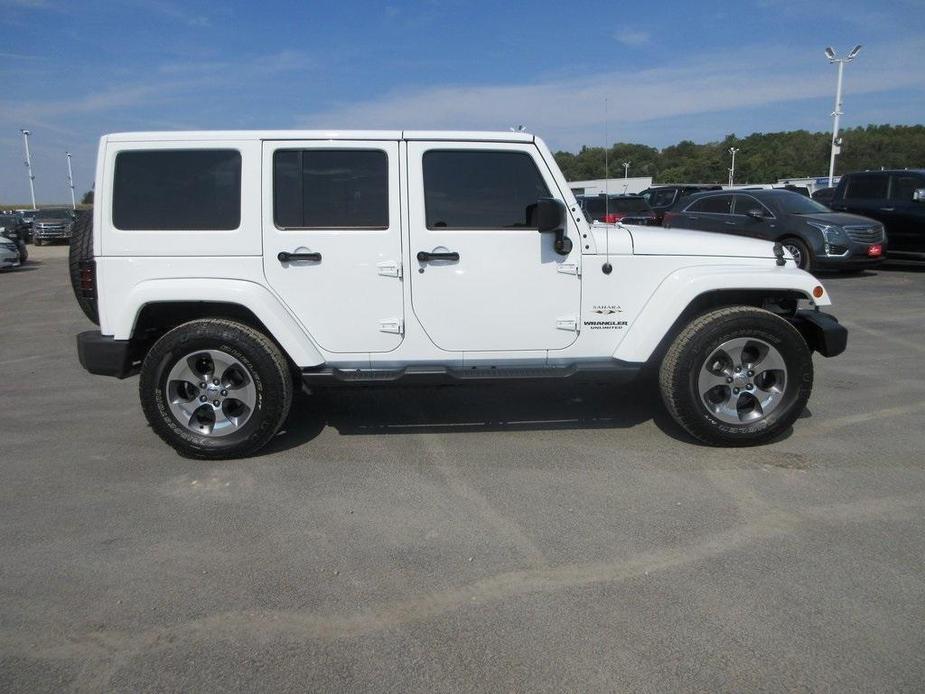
<point x="230" y="268"/>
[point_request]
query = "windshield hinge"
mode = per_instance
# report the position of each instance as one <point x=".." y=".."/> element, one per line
<point x="569" y="323"/>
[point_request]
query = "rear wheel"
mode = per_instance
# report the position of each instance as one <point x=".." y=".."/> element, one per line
<point x="737" y="376"/>
<point x="215" y="389"/>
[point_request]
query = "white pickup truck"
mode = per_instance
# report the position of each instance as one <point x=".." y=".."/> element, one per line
<point x="230" y="268"/>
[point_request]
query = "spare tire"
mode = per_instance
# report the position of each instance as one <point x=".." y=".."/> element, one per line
<point x="79" y="254"/>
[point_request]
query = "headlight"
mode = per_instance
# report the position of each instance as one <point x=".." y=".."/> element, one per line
<point x="836" y="240"/>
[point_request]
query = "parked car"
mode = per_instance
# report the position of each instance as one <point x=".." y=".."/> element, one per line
<point x="28" y="216"/>
<point x="895" y="198"/>
<point x="9" y="254"/>
<point x="610" y="209"/>
<point x="13" y="229"/>
<point x="268" y="260"/>
<point x="817" y="237"/>
<point x="53" y="224"/>
<point x="663" y="198"/>
<point x="824" y="196"/>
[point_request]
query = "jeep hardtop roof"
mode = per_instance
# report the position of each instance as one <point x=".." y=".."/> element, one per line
<point x="200" y="135"/>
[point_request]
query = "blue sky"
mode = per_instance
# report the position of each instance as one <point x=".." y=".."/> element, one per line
<point x="71" y="70"/>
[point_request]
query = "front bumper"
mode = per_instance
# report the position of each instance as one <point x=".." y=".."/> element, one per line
<point x="822" y="332"/>
<point x="9" y="259"/>
<point x="857" y="258"/>
<point x="105" y="356"/>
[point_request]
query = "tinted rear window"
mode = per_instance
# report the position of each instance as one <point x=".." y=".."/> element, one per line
<point x="867" y="186"/>
<point x="331" y="189"/>
<point x="471" y="189"/>
<point x="717" y="204"/>
<point x="177" y="190"/>
<point x="618" y="204"/>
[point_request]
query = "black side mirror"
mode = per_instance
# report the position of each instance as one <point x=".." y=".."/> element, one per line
<point x="755" y="214"/>
<point x="552" y="218"/>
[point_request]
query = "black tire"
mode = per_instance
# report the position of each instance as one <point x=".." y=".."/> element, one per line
<point x="81" y="249"/>
<point x="807" y="261"/>
<point x="267" y="367"/>
<point x="681" y="368"/>
<point x="38" y="242"/>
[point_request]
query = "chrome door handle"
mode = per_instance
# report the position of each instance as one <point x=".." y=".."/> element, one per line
<point x="887" y="209"/>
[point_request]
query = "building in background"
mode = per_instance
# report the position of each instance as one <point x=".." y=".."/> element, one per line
<point x="614" y="186"/>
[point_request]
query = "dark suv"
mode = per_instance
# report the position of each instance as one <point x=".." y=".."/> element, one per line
<point x="663" y="198"/>
<point x="610" y="209"/>
<point x="817" y="237"/>
<point x="896" y="198"/>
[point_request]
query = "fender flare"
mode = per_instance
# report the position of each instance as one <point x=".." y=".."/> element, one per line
<point x="281" y="324"/>
<point x="679" y="289"/>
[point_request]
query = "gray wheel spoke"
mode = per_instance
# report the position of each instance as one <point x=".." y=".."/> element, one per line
<point x="742" y="380"/>
<point x="211" y="393"/>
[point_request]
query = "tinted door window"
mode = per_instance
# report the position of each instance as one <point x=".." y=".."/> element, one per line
<point x="470" y="189"/>
<point x="715" y="204"/>
<point x="904" y="186"/>
<point x="330" y="189"/>
<point x="746" y="203"/>
<point x="867" y="187"/>
<point x="177" y="190"/>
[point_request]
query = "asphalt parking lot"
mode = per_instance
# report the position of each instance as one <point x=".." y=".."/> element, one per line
<point x="530" y="538"/>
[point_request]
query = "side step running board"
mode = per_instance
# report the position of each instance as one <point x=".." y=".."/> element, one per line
<point x="435" y="375"/>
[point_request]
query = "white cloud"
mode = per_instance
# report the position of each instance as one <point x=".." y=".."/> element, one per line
<point x="632" y="37"/>
<point x="570" y="111"/>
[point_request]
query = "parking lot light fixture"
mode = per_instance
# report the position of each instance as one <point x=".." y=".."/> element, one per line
<point x="838" y="112"/>
<point x="70" y="181"/>
<point x="25" y="139"/>
<point x="732" y="169"/>
<point x="626" y="169"/>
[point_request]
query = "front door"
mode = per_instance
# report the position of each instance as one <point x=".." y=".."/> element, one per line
<point x="482" y="277"/>
<point x="332" y="240"/>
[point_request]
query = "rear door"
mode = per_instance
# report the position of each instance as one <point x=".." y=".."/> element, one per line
<point x="710" y="213"/>
<point x="498" y="284"/>
<point x="906" y="228"/>
<point x="332" y="239"/>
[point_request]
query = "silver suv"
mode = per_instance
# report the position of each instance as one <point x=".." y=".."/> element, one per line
<point x="52" y="225"/>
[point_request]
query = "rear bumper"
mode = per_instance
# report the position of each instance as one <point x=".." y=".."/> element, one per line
<point x="822" y="332"/>
<point x="105" y="356"/>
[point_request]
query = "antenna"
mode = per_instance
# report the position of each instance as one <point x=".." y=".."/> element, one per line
<point x="606" y="166"/>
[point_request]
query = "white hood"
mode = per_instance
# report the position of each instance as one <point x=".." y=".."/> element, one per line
<point x="661" y="241"/>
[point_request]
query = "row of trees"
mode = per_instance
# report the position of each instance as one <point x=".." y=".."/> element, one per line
<point x="762" y="157"/>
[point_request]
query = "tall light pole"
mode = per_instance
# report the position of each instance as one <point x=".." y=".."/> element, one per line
<point x="25" y="139"/>
<point x="732" y="169"/>
<point x="626" y="169"/>
<point x="70" y="181"/>
<point x="838" y="113"/>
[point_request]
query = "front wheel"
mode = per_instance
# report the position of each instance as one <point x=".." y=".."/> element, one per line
<point x="215" y="389"/>
<point x="801" y="253"/>
<point x="737" y="376"/>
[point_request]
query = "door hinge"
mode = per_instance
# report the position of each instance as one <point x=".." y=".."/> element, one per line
<point x="392" y="325"/>
<point x="389" y="268"/>
<point x="570" y="323"/>
<point x="569" y="269"/>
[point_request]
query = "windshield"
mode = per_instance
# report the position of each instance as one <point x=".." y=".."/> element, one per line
<point x="794" y="203"/>
<point x="54" y="214"/>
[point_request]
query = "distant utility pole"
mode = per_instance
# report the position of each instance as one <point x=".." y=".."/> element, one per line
<point x="732" y="169"/>
<point x="626" y="169"/>
<point x="70" y="181"/>
<point x="25" y="138"/>
<point x="838" y="113"/>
